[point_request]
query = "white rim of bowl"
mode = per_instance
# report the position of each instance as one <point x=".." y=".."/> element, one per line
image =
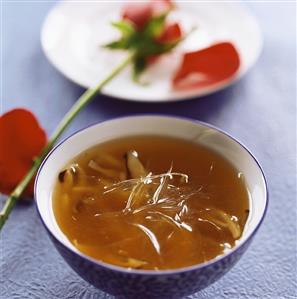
<point x="159" y="272"/>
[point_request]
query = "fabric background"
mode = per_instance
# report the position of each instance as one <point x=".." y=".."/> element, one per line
<point x="259" y="110"/>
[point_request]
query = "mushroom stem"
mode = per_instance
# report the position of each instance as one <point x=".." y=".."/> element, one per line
<point x="134" y="165"/>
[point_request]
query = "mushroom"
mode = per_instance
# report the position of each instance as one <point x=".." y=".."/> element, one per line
<point x="68" y="177"/>
<point x="109" y="173"/>
<point x="106" y="159"/>
<point x="73" y="175"/>
<point x="135" y="167"/>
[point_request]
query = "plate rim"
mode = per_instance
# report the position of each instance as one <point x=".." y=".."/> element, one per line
<point x="175" y="96"/>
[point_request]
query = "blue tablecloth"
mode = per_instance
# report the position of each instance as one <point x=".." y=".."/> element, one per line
<point x="260" y="110"/>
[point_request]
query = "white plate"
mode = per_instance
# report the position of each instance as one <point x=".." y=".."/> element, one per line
<point x="74" y="31"/>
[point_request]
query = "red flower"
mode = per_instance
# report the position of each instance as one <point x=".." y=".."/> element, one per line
<point x="207" y="67"/>
<point x="171" y="34"/>
<point x="21" y="139"/>
<point x="140" y="13"/>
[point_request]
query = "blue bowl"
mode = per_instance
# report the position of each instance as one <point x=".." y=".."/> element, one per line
<point x="127" y="283"/>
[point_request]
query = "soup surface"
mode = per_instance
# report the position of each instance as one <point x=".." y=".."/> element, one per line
<point x="151" y="203"/>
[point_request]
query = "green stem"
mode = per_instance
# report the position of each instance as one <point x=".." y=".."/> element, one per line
<point x="84" y="99"/>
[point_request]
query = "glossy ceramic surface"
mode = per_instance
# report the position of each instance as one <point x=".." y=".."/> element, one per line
<point x="73" y="33"/>
<point x="152" y="284"/>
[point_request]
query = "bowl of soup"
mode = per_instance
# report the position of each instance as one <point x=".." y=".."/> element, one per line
<point x="151" y="206"/>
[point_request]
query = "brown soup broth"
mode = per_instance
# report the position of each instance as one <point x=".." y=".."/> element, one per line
<point x="190" y="207"/>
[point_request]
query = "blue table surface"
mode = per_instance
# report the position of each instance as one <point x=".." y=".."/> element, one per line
<point x="259" y="110"/>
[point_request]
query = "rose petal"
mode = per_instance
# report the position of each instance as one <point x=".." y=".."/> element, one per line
<point x="21" y="139"/>
<point x="140" y="13"/>
<point x="171" y="33"/>
<point x="137" y="13"/>
<point x="207" y="67"/>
